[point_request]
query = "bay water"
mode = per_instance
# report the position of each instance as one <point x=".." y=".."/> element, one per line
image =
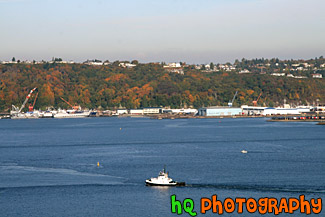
<point x="98" y="166"/>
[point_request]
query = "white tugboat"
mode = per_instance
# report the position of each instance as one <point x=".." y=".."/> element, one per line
<point x="163" y="180"/>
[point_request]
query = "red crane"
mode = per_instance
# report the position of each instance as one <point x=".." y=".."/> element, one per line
<point x="31" y="107"/>
<point x="255" y="101"/>
<point x="73" y="107"/>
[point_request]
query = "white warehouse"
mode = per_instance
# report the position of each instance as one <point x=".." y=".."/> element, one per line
<point x="219" y="111"/>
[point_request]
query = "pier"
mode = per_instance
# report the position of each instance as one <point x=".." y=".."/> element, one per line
<point x="299" y="118"/>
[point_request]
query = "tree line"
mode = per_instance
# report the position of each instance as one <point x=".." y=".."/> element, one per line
<point x="147" y="85"/>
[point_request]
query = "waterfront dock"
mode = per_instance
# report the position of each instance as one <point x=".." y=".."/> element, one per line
<point x="298" y="118"/>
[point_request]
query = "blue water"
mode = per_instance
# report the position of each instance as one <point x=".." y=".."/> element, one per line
<point x="48" y="167"/>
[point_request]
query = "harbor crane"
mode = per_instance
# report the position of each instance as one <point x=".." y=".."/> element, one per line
<point x="232" y="101"/>
<point x="26" y="100"/>
<point x="31" y="107"/>
<point x="15" y="110"/>
<point x="255" y="101"/>
<point x="73" y="107"/>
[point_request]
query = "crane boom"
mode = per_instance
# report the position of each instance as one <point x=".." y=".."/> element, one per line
<point x="259" y="96"/>
<point x="35" y="99"/>
<point x="31" y="107"/>
<point x="67" y="102"/>
<point x="26" y="100"/>
<point x="233" y="99"/>
<point x="255" y="101"/>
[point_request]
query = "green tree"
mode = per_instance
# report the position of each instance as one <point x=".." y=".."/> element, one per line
<point x="211" y="66"/>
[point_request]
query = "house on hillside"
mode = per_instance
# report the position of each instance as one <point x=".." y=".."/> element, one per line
<point x="317" y="75"/>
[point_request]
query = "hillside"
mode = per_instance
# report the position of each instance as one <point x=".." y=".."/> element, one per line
<point x="145" y="85"/>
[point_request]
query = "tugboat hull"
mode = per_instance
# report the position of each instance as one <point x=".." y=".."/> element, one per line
<point x="148" y="183"/>
<point x="160" y="184"/>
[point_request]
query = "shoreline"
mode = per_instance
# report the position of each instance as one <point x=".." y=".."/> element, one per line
<point x="274" y="118"/>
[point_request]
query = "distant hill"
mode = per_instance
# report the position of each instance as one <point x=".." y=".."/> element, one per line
<point x="109" y="86"/>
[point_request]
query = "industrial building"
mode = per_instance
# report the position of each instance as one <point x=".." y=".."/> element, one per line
<point x="253" y="110"/>
<point x="219" y="111"/>
<point x="152" y="110"/>
<point x="268" y="111"/>
<point x="136" y="111"/>
<point x="121" y="111"/>
<point x="180" y="111"/>
<point x="280" y="111"/>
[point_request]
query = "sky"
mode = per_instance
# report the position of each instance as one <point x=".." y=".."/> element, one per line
<point x="192" y="31"/>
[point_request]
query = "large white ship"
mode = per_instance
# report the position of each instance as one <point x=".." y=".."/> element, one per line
<point x="71" y="114"/>
<point x="27" y="115"/>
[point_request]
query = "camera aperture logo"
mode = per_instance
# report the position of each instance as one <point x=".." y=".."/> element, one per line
<point x="262" y="205"/>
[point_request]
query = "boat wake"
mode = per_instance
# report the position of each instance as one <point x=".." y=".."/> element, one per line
<point x="258" y="188"/>
<point x="44" y="176"/>
<point x="56" y="170"/>
<point x="4" y="189"/>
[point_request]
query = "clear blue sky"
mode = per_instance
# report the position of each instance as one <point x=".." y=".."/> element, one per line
<point x="194" y="31"/>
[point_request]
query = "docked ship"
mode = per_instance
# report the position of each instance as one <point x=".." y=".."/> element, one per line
<point x="75" y="112"/>
<point x="47" y="114"/>
<point x="27" y="115"/>
<point x="71" y="113"/>
<point x="163" y="180"/>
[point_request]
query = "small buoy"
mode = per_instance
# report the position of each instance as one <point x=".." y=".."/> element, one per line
<point x="244" y="151"/>
<point x="120" y="128"/>
<point x="98" y="164"/>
